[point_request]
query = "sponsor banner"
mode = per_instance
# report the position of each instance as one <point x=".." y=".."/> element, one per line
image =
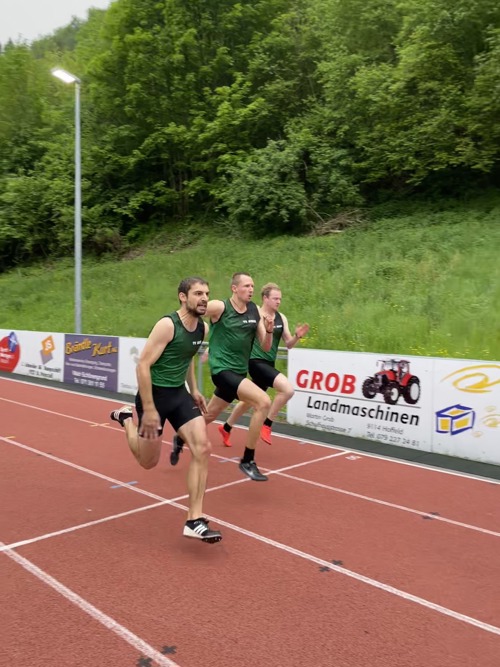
<point x="34" y="353"/>
<point x="378" y="397"/>
<point x="448" y="406"/>
<point x="10" y="350"/>
<point x="466" y="410"/>
<point x="42" y="355"/>
<point x="129" y="352"/>
<point x="91" y="361"/>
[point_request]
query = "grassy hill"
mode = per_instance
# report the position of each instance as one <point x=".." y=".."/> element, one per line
<point x="426" y="283"/>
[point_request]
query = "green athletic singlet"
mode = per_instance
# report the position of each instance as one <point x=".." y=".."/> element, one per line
<point x="258" y="353"/>
<point x="231" y="339"/>
<point x="170" y="369"/>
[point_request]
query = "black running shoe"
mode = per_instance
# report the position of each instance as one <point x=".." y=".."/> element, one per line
<point x="177" y="445"/>
<point x="122" y="414"/>
<point x="199" y="530"/>
<point x="250" y="469"/>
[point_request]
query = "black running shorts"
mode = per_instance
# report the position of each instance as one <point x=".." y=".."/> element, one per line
<point x="226" y="385"/>
<point x="263" y="373"/>
<point x="174" y="404"/>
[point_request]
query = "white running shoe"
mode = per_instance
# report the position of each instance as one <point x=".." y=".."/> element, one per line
<point x="122" y="414"/>
<point x="199" y="530"/>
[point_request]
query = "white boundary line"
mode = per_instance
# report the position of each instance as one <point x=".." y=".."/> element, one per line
<point x="149" y="494"/>
<point x="260" y="538"/>
<point x="280" y="473"/>
<point x="341" y="452"/>
<point x="99" y="616"/>
<point x="385" y="503"/>
<point x="316" y="443"/>
<point x="370" y="499"/>
<point x="79" y="526"/>
<point x="363" y="579"/>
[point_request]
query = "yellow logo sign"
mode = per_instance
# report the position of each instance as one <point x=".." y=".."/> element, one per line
<point x="48" y="345"/>
<point x="455" y="419"/>
<point x="478" y="379"/>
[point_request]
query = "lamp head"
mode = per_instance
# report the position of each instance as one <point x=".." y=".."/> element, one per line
<point x="65" y="76"/>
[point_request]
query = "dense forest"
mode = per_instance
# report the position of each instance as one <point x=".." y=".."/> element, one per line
<point x="269" y="115"/>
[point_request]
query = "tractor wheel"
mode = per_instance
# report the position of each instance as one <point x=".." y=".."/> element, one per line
<point x="369" y="390"/>
<point x="391" y="393"/>
<point x="411" y="393"/>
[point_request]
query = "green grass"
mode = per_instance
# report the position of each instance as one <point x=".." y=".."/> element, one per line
<point x="425" y="284"/>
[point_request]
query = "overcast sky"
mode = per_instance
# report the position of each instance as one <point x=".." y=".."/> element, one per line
<point x="29" y="19"/>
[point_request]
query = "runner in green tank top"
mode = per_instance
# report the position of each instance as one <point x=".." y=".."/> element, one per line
<point x="262" y="365"/>
<point x="171" y="367"/>
<point x="165" y="366"/>
<point x="234" y="324"/>
<point x="232" y="337"/>
<point x="278" y="333"/>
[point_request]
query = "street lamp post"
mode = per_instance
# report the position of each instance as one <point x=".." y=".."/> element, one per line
<point x="65" y="76"/>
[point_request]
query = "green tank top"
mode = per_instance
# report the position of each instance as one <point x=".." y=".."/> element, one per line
<point x="231" y="339"/>
<point x="170" y="369"/>
<point x="258" y="353"/>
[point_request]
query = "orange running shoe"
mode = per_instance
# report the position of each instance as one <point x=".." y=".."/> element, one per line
<point x="265" y="434"/>
<point x="224" y="435"/>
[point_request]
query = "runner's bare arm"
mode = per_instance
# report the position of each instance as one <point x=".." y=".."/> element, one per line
<point x="265" y="329"/>
<point x="215" y="308"/>
<point x="198" y="397"/>
<point x="192" y="382"/>
<point x="300" y="331"/>
<point x="158" y="339"/>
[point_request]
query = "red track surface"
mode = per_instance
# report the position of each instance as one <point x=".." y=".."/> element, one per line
<point x="415" y="578"/>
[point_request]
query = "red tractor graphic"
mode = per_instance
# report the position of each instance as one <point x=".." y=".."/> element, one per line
<point x="392" y="380"/>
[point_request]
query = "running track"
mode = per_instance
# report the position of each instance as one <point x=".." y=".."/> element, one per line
<point x="341" y="559"/>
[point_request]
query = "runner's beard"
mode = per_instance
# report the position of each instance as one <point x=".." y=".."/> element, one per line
<point x="195" y="312"/>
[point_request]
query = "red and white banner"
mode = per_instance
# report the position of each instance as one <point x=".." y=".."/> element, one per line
<point x="447" y="406"/>
<point x="37" y="354"/>
<point x="363" y="395"/>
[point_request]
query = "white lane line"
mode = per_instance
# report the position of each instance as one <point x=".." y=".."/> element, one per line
<point x="385" y="503"/>
<point x="370" y="499"/>
<point x="282" y="470"/>
<point x="298" y="465"/>
<point x="362" y="453"/>
<point x="300" y="440"/>
<point x="120" y="430"/>
<point x="136" y="642"/>
<point x="53" y="412"/>
<point x="362" y="578"/>
<point x="161" y="499"/>
<point x="301" y="554"/>
<point x="72" y="529"/>
<point x="304" y="463"/>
